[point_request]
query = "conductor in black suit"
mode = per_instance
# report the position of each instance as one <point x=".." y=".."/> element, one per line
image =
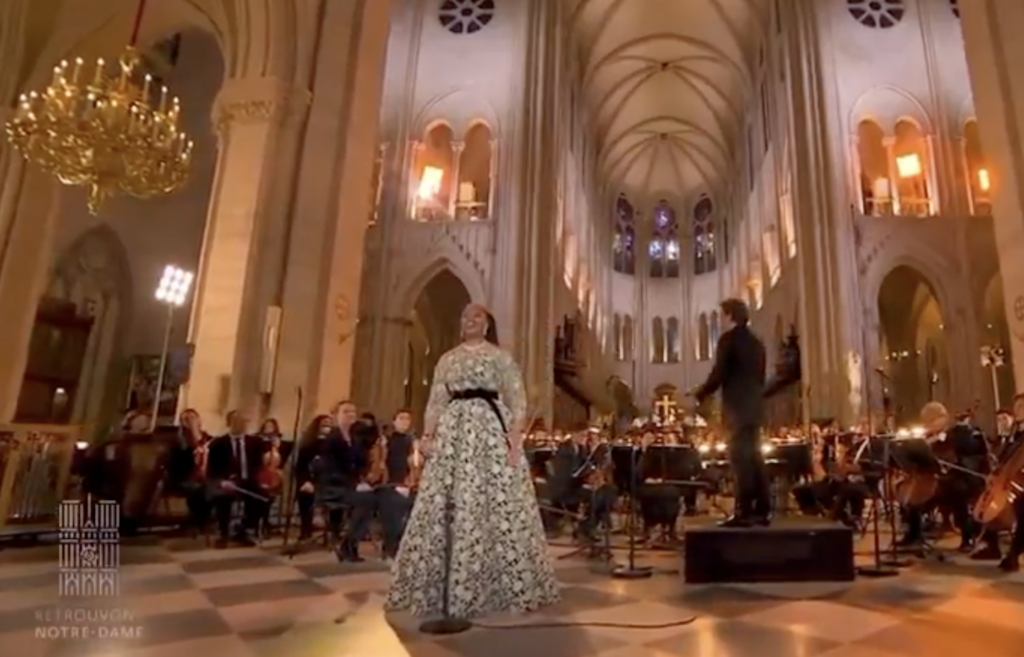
<point x="739" y="371"/>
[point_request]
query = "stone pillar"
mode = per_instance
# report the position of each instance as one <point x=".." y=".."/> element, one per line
<point x="320" y="291"/>
<point x="994" y="54"/>
<point x="830" y="309"/>
<point x="30" y="204"/>
<point x="894" y="174"/>
<point x="458" y="148"/>
<point x="249" y="117"/>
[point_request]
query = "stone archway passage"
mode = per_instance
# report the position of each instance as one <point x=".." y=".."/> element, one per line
<point x="436" y="316"/>
<point x="916" y="353"/>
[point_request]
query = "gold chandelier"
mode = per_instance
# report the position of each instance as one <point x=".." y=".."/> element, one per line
<point x="110" y="134"/>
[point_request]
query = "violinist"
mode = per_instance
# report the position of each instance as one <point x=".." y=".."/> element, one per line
<point x="578" y="479"/>
<point x="1011" y="438"/>
<point x="235" y="460"/>
<point x="398" y="462"/>
<point x="839" y="491"/>
<point x="957" y="443"/>
<point x="187" y="469"/>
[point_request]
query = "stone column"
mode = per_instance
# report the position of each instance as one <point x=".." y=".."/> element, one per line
<point x="894" y="175"/>
<point x="248" y="115"/>
<point x="30" y="202"/>
<point x="994" y="54"/>
<point x="324" y="251"/>
<point x="458" y="147"/>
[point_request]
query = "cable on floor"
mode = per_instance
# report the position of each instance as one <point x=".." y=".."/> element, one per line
<point x="561" y="624"/>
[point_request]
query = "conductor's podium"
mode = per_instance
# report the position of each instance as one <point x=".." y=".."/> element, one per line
<point x="787" y="551"/>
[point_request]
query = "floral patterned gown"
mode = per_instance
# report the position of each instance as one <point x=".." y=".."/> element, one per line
<point x="499" y="556"/>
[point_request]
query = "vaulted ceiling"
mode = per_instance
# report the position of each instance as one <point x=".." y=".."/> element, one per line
<point x="668" y="81"/>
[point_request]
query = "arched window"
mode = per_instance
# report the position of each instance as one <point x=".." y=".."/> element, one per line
<point x="657" y="341"/>
<point x="433" y="167"/>
<point x="663" y="250"/>
<point x="625" y="236"/>
<point x="473" y="194"/>
<point x="703" y="237"/>
<point x="714" y="332"/>
<point x="672" y="340"/>
<point x="977" y="171"/>
<point x="702" y="337"/>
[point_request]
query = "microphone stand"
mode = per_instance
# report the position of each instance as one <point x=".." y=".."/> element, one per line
<point x="292" y="493"/>
<point x="631" y="570"/>
<point x="447" y="624"/>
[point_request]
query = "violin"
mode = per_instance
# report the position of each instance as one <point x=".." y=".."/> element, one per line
<point x="269" y="477"/>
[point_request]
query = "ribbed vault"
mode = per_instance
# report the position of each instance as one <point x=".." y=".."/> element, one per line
<point x="668" y="82"/>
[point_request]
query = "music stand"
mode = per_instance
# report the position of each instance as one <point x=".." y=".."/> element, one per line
<point x="874" y="454"/>
<point x="631" y="570"/>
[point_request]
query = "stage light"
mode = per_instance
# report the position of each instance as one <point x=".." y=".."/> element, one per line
<point x="430" y="183"/>
<point x="767" y="449"/>
<point x="81" y="445"/>
<point x="903" y="433"/>
<point x="720" y="447"/>
<point x="918" y="432"/>
<point x="983" y="180"/>
<point x="704" y="449"/>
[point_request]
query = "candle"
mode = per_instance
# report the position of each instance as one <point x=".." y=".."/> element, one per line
<point x="145" y="87"/>
<point x="163" y="98"/>
<point x="77" y="71"/>
<point x="98" y="79"/>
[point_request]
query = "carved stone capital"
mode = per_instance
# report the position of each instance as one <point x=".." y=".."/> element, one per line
<point x="259" y="100"/>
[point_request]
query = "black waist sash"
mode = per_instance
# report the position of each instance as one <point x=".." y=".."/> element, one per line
<point x="488" y="396"/>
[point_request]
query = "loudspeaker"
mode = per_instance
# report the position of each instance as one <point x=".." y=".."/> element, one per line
<point x="799" y="552"/>
<point x="268" y="360"/>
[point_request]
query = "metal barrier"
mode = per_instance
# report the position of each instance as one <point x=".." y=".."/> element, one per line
<point x="35" y="465"/>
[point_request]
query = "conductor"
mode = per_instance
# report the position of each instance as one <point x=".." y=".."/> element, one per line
<point x="739" y="370"/>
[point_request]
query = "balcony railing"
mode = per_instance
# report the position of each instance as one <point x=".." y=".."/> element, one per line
<point x="35" y="466"/>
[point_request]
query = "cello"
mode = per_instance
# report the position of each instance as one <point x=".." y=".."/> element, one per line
<point x="995" y="506"/>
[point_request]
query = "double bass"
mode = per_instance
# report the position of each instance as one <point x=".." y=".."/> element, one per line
<point x="270" y="478"/>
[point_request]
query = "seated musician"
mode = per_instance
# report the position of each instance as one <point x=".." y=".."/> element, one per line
<point x="233" y="466"/>
<point x="572" y="484"/>
<point x="271" y="478"/>
<point x="959" y="444"/>
<point x="838" y="490"/>
<point x="310" y="446"/>
<point x="659" y="502"/>
<point x="187" y="469"/>
<point x="395" y="493"/>
<point x="1010" y="439"/>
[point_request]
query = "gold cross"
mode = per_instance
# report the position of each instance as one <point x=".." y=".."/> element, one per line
<point x="666" y="407"/>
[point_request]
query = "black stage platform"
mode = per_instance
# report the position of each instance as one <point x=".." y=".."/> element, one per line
<point x="791" y="550"/>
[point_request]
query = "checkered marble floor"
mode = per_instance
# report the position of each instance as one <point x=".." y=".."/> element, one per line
<point x="252" y="602"/>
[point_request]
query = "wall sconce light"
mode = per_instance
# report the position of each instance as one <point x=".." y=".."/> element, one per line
<point x="983" y="180"/>
<point x="908" y="165"/>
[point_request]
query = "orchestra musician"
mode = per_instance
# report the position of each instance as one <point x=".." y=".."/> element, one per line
<point x="659" y="502"/>
<point x="270" y="478"/>
<point x="397" y="462"/>
<point x="838" y="490"/>
<point x="310" y="446"/>
<point x="187" y="469"/>
<point x="1010" y="439"/>
<point x="578" y="479"/>
<point x="957" y="443"/>
<point x="233" y="465"/>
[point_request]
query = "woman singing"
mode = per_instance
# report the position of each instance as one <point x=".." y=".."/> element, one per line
<point x="475" y="495"/>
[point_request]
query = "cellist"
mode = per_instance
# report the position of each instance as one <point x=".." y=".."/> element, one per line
<point x="1011" y="436"/>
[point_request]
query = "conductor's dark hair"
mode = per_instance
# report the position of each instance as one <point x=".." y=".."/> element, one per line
<point x="736" y="310"/>
<point x="491" y="335"/>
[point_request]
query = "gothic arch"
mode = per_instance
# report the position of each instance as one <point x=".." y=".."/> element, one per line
<point x="256" y="38"/>
<point x="927" y="265"/>
<point x="421" y="276"/>
<point x="460" y="109"/>
<point x="886" y="105"/>
<point x="94" y="273"/>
